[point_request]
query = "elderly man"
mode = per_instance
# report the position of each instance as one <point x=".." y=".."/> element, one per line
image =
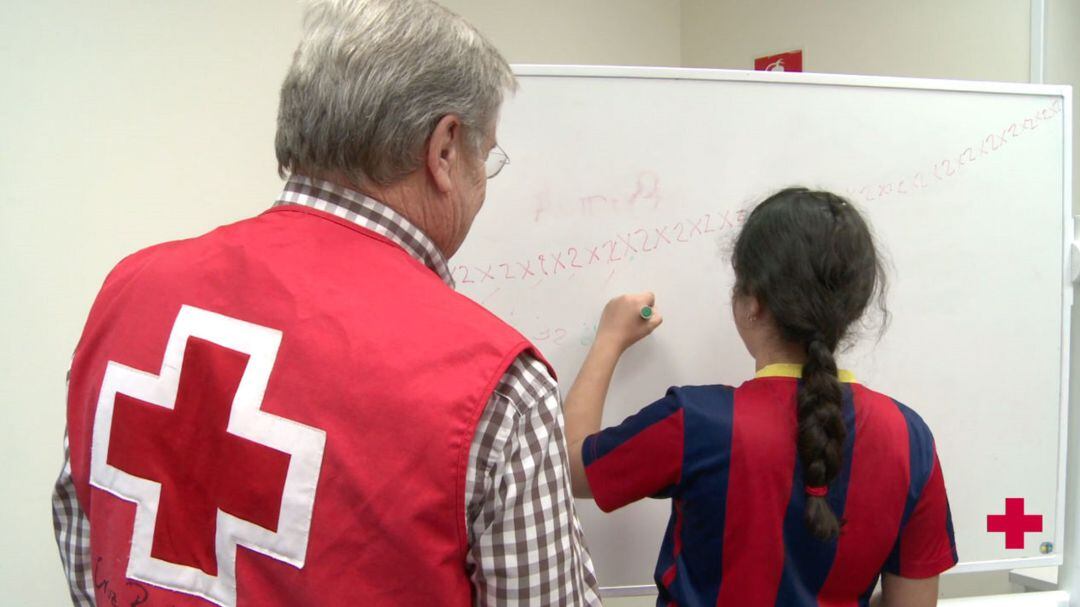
<point x="297" y="408"/>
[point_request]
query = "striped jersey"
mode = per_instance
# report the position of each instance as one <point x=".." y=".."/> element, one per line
<point x="727" y="459"/>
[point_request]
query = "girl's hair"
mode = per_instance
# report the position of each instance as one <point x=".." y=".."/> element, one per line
<point x="809" y="258"/>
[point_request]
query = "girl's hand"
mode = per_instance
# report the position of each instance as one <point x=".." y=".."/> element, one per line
<point x="621" y="324"/>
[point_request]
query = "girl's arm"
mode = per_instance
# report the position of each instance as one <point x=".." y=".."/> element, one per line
<point x="907" y="592"/>
<point x="621" y="326"/>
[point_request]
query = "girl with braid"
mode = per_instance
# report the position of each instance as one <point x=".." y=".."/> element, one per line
<point x="800" y="486"/>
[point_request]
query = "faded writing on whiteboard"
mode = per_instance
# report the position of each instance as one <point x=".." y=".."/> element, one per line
<point x="622" y="247"/>
<point x="644" y="194"/>
<point x="951" y="165"/>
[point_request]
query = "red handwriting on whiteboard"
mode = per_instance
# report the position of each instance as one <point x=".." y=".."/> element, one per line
<point x="644" y="194"/>
<point x="621" y="247"/>
<point x="952" y="165"/>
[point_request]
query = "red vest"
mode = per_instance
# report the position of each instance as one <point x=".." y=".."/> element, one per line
<point x="280" y="412"/>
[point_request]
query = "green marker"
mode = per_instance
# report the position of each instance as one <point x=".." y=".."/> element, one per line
<point x="646" y="312"/>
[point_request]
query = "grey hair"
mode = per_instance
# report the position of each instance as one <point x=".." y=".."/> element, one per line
<point x="371" y="79"/>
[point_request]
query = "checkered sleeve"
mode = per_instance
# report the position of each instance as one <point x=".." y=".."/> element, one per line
<point x="72" y="536"/>
<point x="526" y="545"/>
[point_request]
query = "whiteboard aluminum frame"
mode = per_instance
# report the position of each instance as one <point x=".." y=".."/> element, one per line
<point x="1025" y="599"/>
<point x="889" y="82"/>
<point x="685" y="73"/>
<point x="1069" y="573"/>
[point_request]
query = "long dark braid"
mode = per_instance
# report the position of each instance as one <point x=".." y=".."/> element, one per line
<point x="810" y="259"/>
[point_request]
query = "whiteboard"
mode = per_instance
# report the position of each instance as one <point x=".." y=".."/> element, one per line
<point x="626" y="179"/>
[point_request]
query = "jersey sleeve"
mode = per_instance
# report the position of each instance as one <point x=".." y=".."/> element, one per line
<point x="926" y="545"/>
<point x="641" y="457"/>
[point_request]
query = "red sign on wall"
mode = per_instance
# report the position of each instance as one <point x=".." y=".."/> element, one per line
<point x="790" y="61"/>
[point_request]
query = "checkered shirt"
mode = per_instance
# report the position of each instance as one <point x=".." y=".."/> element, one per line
<point x="526" y="545"/>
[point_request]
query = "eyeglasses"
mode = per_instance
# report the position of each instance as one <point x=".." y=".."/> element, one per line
<point x="495" y="161"/>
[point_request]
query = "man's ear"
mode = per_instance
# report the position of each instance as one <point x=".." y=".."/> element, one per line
<point x="442" y="149"/>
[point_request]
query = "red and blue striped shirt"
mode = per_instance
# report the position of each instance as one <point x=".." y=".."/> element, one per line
<point x="727" y="459"/>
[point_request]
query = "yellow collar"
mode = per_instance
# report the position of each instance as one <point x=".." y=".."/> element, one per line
<point x="794" y="370"/>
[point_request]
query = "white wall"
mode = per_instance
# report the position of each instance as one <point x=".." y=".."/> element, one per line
<point x="110" y="107"/>
<point x="601" y="32"/>
<point x="965" y="39"/>
<point x="1063" y="67"/>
